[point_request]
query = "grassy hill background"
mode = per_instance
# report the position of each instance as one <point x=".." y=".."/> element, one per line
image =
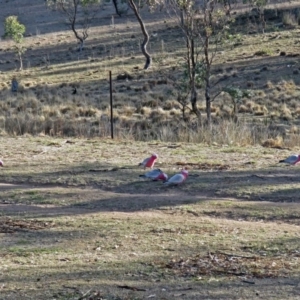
<point x="145" y="106"/>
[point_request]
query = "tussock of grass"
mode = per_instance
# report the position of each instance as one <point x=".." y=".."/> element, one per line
<point x="273" y="143"/>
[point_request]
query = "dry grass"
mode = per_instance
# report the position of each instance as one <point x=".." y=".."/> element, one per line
<point x="273" y="143"/>
<point x="77" y="220"/>
<point x="45" y="103"/>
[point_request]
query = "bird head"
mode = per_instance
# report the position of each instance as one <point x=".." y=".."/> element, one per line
<point x="1" y="163"/>
<point x="185" y="172"/>
<point x="154" y="155"/>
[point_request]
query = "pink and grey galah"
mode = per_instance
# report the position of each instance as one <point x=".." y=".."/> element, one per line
<point x="178" y="178"/>
<point x="155" y="175"/>
<point x="149" y="162"/>
<point x="291" y="160"/>
<point x="1" y="163"/>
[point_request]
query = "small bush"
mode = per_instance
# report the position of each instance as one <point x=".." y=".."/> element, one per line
<point x="289" y="19"/>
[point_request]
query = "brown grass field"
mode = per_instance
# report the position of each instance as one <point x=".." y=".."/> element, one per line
<point x="76" y="220"/>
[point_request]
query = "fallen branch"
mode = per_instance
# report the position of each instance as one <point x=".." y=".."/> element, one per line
<point x="260" y="177"/>
<point x="132" y="288"/>
<point x="247" y="281"/>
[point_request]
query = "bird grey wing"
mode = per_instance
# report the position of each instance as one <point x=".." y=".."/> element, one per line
<point x="144" y="162"/>
<point x="177" y="178"/>
<point x="151" y="174"/>
<point x="291" y="159"/>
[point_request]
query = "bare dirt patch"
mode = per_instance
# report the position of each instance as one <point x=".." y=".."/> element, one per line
<point x="10" y="225"/>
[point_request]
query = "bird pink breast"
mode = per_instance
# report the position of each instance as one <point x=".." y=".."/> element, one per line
<point x="150" y="162"/>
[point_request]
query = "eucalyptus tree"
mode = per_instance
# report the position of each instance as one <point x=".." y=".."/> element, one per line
<point x="205" y="25"/>
<point x="137" y="6"/>
<point x="15" y="30"/>
<point x="79" y="13"/>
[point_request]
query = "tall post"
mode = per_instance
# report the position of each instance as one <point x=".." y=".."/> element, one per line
<point x="111" y="107"/>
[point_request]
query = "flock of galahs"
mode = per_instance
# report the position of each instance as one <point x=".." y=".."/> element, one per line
<point x="158" y="174"/>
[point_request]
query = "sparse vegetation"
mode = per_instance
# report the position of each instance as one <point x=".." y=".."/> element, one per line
<point x="77" y="221"/>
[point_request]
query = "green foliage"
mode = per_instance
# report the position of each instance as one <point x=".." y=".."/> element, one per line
<point x="236" y="93"/>
<point x="200" y="72"/>
<point x="13" y="29"/>
<point x="232" y="38"/>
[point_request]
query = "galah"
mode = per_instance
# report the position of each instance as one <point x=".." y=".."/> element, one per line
<point x="178" y="178"/>
<point x="1" y="163"/>
<point x="149" y="162"/>
<point x="156" y="174"/>
<point x="291" y="160"/>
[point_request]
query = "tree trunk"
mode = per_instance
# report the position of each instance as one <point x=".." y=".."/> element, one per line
<point x="208" y="103"/>
<point x="145" y="33"/>
<point x="115" y="2"/>
<point x="207" y="79"/>
<point x="20" y="60"/>
<point x="194" y="94"/>
<point x="81" y="46"/>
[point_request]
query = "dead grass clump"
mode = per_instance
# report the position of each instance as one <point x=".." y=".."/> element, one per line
<point x="285" y="113"/>
<point x="142" y="125"/>
<point x="175" y="112"/>
<point x="286" y="117"/>
<point x="293" y="140"/>
<point x="260" y="110"/>
<point x="150" y="103"/>
<point x="146" y="111"/>
<point x="273" y="143"/>
<point x="244" y="109"/>
<point x="50" y="111"/>
<point x="250" y="104"/>
<point x="269" y="85"/>
<point x="89" y="111"/>
<point x="296" y="112"/>
<point x="170" y="104"/>
<point x="214" y="109"/>
<point x="4" y="106"/>
<point x="66" y="109"/>
<point x="158" y="115"/>
<point x="294" y="103"/>
<point x="128" y="111"/>
<point x="225" y="111"/>
<point x="289" y="19"/>
<point x="125" y="121"/>
<point x="287" y="85"/>
<point x="294" y="129"/>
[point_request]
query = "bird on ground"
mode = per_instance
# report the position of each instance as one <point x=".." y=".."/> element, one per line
<point x="291" y="160"/>
<point x="178" y="178"/>
<point x="149" y="162"/>
<point x="1" y="163"/>
<point x="155" y="175"/>
<point x="74" y="91"/>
